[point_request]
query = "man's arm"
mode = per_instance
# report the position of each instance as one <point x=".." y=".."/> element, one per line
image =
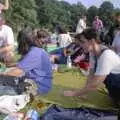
<point x="6" y="49"/>
<point x="92" y="85"/>
<point x="15" y="72"/>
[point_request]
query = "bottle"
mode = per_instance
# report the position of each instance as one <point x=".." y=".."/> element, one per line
<point x="32" y="115"/>
<point x="69" y="62"/>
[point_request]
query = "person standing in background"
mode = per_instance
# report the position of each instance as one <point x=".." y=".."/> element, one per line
<point x="97" y="24"/>
<point x="4" y="6"/>
<point x="81" y="26"/>
<point x="64" y="38"/>
<point x="6" y="43"/>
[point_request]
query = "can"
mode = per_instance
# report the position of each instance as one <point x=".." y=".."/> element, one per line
<point x="32" y="115"/>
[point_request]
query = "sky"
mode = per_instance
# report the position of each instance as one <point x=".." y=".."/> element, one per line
<point x="97" y="3"/>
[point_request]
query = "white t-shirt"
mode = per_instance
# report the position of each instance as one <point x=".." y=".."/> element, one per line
<point x="64" y="40"/>
<point x="116" y="43"/>
<point x="81" y="26"/>
<point x="6" y="36"/>
<point x="108" y="62"/>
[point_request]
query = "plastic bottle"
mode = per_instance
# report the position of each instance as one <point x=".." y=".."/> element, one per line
<point x="69" y="62"/>
<point x="32" y="115"/>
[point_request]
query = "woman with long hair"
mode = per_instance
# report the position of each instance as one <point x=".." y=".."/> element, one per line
<point x="34" y="64"/>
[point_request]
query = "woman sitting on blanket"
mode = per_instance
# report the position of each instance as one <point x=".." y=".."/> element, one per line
<point x="34" y="63"/>
<point x="105" y="67"/>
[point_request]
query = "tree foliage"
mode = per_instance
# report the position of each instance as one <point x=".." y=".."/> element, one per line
<point x="46" y="13"/>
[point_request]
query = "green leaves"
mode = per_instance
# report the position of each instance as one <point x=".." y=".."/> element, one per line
<point x="21" y="13"/>
<point x="44" y="13"/>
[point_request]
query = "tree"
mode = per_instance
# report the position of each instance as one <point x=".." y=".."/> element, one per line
<point x="21" y="13"/>
<point x="77" y="11"/>
<point x="106" y="11"/>
<point x="91" y="13"/>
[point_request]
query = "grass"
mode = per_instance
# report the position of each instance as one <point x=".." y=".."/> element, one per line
<point x="71" y="79"/>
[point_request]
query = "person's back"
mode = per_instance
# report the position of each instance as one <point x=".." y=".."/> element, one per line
<point x="64" y="40"/>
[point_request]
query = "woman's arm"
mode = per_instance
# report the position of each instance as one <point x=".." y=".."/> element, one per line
<point x="92" y="85"/>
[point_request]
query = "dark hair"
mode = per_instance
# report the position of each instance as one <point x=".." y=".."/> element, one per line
<point x="90" y="34"/>
<point x="78" y="36"/>
<point x="27" y="38"/>
<point x="42" y="34"/>
<point x="42" y="38"/>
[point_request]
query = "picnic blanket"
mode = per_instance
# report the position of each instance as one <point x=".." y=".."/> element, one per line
<point x="71" y="80"/>
<point x="56" y="112"/>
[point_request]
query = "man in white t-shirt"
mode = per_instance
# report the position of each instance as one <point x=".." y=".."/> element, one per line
<point x="6" y="42"/>
<point x="64" y="38"/>
<point x="106" y="67"/>
<point x="81" y="26"/>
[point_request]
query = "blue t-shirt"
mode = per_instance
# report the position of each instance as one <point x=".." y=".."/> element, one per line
<point x="37" y="66"/>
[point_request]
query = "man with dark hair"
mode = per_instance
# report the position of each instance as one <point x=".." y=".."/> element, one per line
<point x="6" y="42"/>
<point x="105" y="67"/>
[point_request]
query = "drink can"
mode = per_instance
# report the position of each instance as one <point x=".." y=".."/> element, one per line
<point x="32" y="115"/>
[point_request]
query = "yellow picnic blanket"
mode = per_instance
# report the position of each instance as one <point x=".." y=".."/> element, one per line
<point x="71" y="80"/>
